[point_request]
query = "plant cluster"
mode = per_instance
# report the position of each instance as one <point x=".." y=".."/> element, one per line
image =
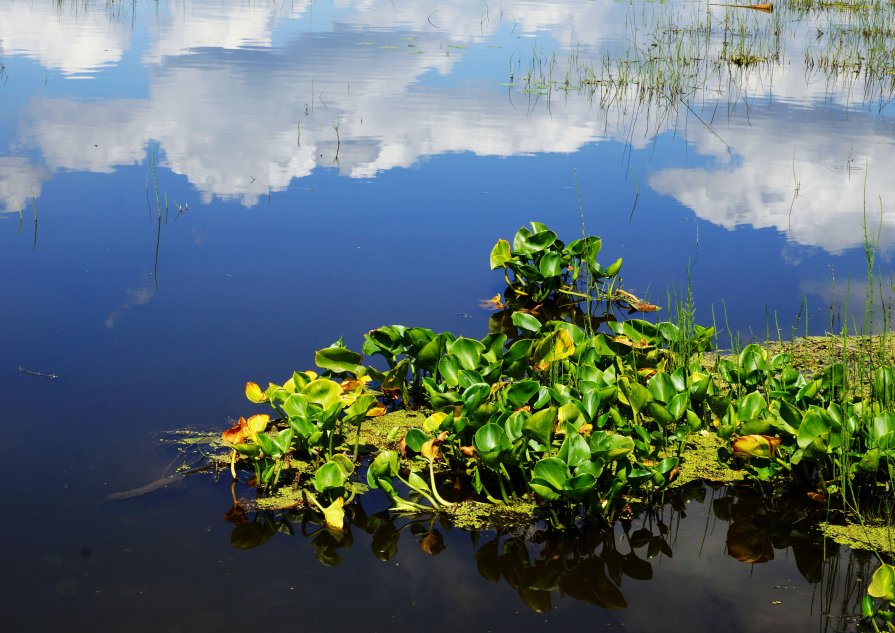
<point x="578" y="414"/>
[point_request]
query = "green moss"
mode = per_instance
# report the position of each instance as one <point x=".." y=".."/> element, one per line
<point x="375" y="432"/>
<point x="876" y="538"/>
<point x="282" y="499"/>
<point x="700" y="462"/>
<point x="475" y="516"/>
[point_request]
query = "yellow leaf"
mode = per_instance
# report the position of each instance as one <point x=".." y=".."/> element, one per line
<point x="749" y="446"/>
<point x="256" y="424"/>
<point x="376" y="410"/>
<point x="433" y="422"/>
<point x="334" y="515"/>
<point x="254" y="393"/>
<point x="354" y="384"/>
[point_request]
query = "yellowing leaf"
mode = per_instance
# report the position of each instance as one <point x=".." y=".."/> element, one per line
<point x="433" y="422"/>
<point x="494" y="303"/>
<point x="254" y="393"/>
<point x="334" y="515"/>
<point x="749" y="446"/>
<point x="256" y="424"/>
<point x="353" y="384"/>
<point x="236" y="433"/>
<point x="376" y="410"/>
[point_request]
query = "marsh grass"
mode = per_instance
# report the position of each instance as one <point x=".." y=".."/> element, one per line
<point x="675" y="59"/>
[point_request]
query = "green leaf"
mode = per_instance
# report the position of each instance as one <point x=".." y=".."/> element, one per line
<point x="491" y="442"/>
<point x="519" y="393"/>
<point x="468" y="351"/>
<point x="415" y="438"/>
<point x="553" y="471"/>
<point x="448" y="369"/>
<point x="528" y="243"/>
<point x="662" y="388"/>
<point x="500" y="254"/>
<point x="574" y="449"/>
<point x="539" y="426"/>
<point x="882" y="431"/>
<point x="610" y="446"/>
<point x="339" y="359"/>
<point x="884" y="384"/>
<point x="634" y="394"/>
<point x="882" y="585"/>
<point x="296" y="405"/>
<point x="551" y="264"/>
<point x="323" y="392"/>
<point x="751" y="406"/>
<point x="525" y="321"/>
<point x="385" y="466"/>
<point x="330" y="476"/>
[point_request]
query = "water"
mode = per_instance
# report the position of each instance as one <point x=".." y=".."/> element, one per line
<point x="195" y="194"/>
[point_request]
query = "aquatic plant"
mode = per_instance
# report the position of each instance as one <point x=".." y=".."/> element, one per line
<point x="571" y="408"/>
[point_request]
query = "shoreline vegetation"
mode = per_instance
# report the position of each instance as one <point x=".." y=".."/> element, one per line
<point x="572" y="413"/>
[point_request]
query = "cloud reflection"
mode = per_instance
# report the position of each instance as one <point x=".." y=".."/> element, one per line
<point x="244" y="98"/>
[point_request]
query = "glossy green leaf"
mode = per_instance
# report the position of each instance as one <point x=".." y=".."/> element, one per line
<point x="330" y="476"/>
<point x="610" y="446"/>
<point x="882" y="431"/>
<point x="468" y="351"/>
<point x="551" y="264"/>
<point x="882" y="585"/>
<point x="415" y="438"/>
<point x="883" y="384"/>
<point x="553" y="471"/>
<point x="662" y="388"/>
<point x="500" y="254"/>
<point x="339" y="359"/>
<point x="574" y="449"/>
<point x="323" y="392"/>
<point x="519" y="393"/>
<point x="751" y="406"/>
<point x="539" y="426"/>
<point x="525" y="321"/>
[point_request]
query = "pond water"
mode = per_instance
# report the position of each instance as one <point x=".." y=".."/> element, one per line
<point x="197" y="193"/>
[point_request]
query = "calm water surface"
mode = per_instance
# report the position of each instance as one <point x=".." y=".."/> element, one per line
<point x="196" y="193"/>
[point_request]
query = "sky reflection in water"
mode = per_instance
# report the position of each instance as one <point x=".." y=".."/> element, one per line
<point x="324" y="168"/>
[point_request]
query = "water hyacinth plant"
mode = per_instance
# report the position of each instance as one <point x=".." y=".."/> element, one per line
<point x="569" y="403"/>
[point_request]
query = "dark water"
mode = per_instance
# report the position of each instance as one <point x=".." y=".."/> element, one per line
<point x="195" y="194"/>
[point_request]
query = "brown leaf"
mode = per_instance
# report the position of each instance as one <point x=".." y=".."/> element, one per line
<point x="469" y="451"/>
<point x="236" y="433"/>
<point x="432" y="543"/>
<point x="430" y="450"/>
<point x="376" y="410"/>
<point x="818" y="497"/>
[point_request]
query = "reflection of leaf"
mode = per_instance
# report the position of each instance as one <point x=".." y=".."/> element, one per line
<point x="636" y="568"/>
<point x="487" y="560"/>
<point x="249" y="535"/>
<point x="588" y="582"/>
<point x="749" y="543"/>
<point x="537" y="600"/>
<point x="432" y="543"/>
<point x="385" y="542"/>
